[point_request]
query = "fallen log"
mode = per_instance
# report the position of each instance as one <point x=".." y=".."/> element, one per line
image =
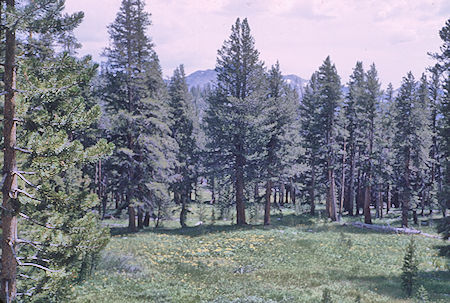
<point x="390" y="229"/>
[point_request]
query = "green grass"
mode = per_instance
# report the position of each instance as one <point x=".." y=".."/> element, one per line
<point x="295" y="260"/>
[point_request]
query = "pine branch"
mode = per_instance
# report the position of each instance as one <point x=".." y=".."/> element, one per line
<point x="27" y="293"/>
<point x="38" y="266"/>
<point x="27" y="263"/>
<point x="36" y="244"/>
<point x="34" y="258"/>
<point x="26" y="151"/>
<point x="28" y="277"/>
<point x="46" y="225"/>
<point x="26" y="194"/>
<point x="25" y="180"/>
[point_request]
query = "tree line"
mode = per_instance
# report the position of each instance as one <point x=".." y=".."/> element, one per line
<point x="83" y="142"/>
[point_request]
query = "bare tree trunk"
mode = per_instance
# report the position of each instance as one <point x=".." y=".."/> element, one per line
<point x="240" y="207"/>
<point x="282" y="189"/>
<point x="380" y="201"/>
<point x="389" y="198"/>
<point x="267" y="203"/>
<point x="367" y="200"/>
<point x="131" y="219"/>
<point x="213" y="191"/>
<point x="332" y="195"/>
<point x="147" y="219"/>
<point x="351" y="184"/>
<point x="406" y="193"/>
<point x="341" y="205"/>
<point x="312" y="188"/>
<point x="10" y="203"/>
<point x="358" y="193"/>
<point x="287" y="190"/>
<point x="140" y="218"/>
<point x="293" y="193"/>
<point x="183" y="213"/>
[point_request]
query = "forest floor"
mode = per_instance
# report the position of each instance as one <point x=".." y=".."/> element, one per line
<point x="297" y="259"/>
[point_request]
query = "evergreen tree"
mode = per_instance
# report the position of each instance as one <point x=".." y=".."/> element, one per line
<point x="354" y="98"/>
<point x="311" y="138"/>
<point x="183" y="114"/>
<point x="58" y="233"/>
<point x="281" y="149"/>
<point x="233" y="108"/>
<point x="367" y="120"/>
<point x="383" y="148"/>
<point x="411" y="141"/>
<point x="136" y="103"/>
<point x="443" y="66"/>
<point x="329" y="102"/>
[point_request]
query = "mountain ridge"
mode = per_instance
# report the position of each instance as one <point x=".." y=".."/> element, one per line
<point x="201" y="78"/>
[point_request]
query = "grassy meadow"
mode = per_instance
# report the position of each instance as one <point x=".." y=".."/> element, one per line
<point x="297" y="259"/>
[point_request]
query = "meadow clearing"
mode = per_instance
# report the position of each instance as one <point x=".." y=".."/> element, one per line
<point x="297" y="259"/>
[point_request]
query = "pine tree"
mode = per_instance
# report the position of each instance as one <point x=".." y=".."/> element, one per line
<point x="443" y="67"/>
<point x="383" y="147"/>
<point x="281" y="149"/>
<point x="367" y="118"/>
<point x="355" y="97"/>
<point x="311" y="138"/>
<point x="136" y="103"/>
<point x="329" y="102"/>
<point x="183" y="114"/>
<point x="411" y="140"/>
<point x="58" y="233"/>
<point x="233" y="108"/>
<point x="410" y="268"/>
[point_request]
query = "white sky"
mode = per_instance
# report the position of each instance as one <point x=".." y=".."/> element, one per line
<point x="395" y="34"/>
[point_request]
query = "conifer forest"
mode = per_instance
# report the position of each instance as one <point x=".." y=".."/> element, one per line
<point x="120" y="184"/>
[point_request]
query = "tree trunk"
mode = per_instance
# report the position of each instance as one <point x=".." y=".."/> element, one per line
<point x="287" y="190"/>
<point x="282" y="189"/>
<point x="367" y="200"/>
<point x="380" y="202"/>
<point x="351" y="184"/>
<point x="389" y="198"/>
<point x="183" y="213"/>
<point x="131" y="219"/>
<point x="341" y="205"/>
<point x="140" y="218"/>
<point x="312" y="189"/>
<point x="213" y="191"/>
<point x="293" y="193"/>
<point x="406" y="193"/>
<point x="267" y="203"/>
<point x="358" y="193"/>
<point x="147" y="219"/>
<point x="332" y="195"/>
<point x="10" y="202"/>
<point x="240" y="207"/>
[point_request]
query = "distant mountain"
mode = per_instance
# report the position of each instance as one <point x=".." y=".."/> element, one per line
<point x="203" y="77"/>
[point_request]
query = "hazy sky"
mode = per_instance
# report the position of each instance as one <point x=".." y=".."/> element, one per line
<point x="395" y="34"/>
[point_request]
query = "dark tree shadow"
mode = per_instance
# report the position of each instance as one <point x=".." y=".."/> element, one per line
<point x="194" y="231"/>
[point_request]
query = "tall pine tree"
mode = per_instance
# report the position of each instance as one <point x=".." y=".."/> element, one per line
<point x="183" y="132"/>
<point x="234" y="106"/>
<point x="136" y="103"/>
